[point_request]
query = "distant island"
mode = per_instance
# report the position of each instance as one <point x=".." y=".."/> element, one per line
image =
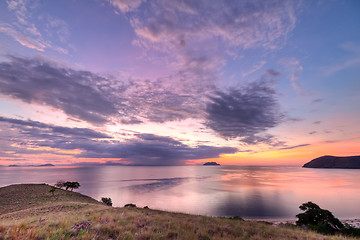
<point x="42" y="165"/>
<point x="211" y="164"/>
<point x="351" y="162"/>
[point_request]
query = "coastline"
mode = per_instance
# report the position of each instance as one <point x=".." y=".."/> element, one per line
<point x="353" y="222"/>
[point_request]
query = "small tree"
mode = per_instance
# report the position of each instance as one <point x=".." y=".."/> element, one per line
<point x="52" y="190"/>
<point x="318" y="219"/>
<point x="71" y="185"/>
<point x="60" y="184"/>
<point x="107" y="201"/>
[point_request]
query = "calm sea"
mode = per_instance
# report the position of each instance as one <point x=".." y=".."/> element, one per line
<point x="245" y="191"/>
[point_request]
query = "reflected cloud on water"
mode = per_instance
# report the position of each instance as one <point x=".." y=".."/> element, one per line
<point x="155" y="185"/>
<point x="253" y="205"/>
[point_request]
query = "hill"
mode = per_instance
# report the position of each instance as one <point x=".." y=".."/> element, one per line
<point x="30" y="211"/>
<point x="352" y="162"/>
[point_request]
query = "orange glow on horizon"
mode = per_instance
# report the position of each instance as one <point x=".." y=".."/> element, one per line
<point x="297" y="156"/>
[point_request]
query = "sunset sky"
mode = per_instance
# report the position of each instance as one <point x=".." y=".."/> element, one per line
<point x="173" y="82"/>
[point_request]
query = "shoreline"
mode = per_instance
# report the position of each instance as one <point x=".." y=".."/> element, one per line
<point x="353" y="222"/>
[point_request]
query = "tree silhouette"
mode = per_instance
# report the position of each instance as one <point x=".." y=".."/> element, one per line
<point x="60" y="184"/>
<point x="71" y="185"/>
<point x="318" y="219"/>
<point x="107" y="201"/>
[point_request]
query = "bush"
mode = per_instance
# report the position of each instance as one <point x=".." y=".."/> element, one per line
<point x="351" y="231"/>
<point x="130" y="205"/>
<point x="52" y="190"/>
<point x="107" y="201"/>
<point x="237" y="218"/>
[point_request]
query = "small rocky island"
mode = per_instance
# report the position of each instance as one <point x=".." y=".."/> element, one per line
<point x="211" y="164"/>
<point x="351" y="162"/>
<point x="42" y="165"/>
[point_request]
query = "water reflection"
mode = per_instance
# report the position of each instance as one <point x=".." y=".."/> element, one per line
<point x="160" y="184"/>
<point x="254" y="205"/>
<point x="246" y="191"/>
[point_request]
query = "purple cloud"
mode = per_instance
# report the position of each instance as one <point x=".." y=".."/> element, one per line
<point x="143" y="149"/>
<point x="237" y="23"/>
<point x="245" y="113"/>
<point x="96" y="99"/>
<point x="297" y="146"/>
<point x="74" y="92"/>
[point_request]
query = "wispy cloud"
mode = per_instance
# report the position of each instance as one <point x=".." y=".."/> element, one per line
<point x="355" y="62"/>
<point x="52" y="129"/>
<point x="237" y="23"/>
<point x="24" y="40"/>
<point x="292" y="147"/>
<point x="126" y="5"/>
<point x="272" y="73"/>
<point x="317" y="100"/>
<point x="350" y="48"/>
<point x="255" y="68"/>
<point x="294" y="69"/>
<point x="26" y="29"/>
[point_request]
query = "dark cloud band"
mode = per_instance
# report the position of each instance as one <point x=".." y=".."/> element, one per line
<point x="74" y="92"/>
<point x="244" y="113"/>
<point x="143" y="149"/>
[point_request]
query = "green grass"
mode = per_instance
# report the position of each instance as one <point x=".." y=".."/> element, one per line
<point x="52" y="217"/>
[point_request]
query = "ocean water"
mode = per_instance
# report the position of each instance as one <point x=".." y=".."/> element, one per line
<point x="252" y="192"/>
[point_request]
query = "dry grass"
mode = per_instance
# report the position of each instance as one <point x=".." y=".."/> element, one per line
<point x="54" y="220"/>
<point x="25" y="196"/>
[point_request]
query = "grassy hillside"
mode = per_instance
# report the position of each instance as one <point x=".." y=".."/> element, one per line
<point x="29" y="211"/>
<point x="25" y="196"/>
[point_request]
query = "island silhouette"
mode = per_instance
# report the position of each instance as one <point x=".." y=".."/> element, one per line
<point x="350" y="162"/>
<point x="211" y="164"/>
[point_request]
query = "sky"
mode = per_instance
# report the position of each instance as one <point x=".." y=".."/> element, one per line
<point x="178" y="82"/>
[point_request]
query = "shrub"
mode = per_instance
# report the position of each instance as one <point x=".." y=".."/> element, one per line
<point x="351" y="231"/>
<point x="130" y="205"/>
<point x="52" y="190"/>
<point x="107" y="201"/>
<point x="237" y="218"/>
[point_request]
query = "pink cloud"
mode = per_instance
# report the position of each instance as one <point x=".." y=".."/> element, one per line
<point x="24" y="40"/>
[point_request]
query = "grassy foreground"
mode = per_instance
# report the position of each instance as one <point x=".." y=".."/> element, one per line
<point x="30" y="211"/>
